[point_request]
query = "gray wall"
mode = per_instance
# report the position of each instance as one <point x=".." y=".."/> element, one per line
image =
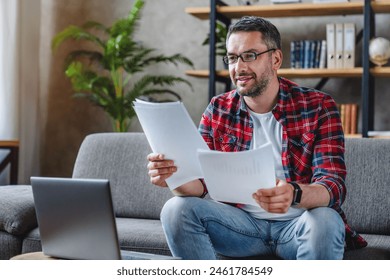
<point x="166" y="27"/>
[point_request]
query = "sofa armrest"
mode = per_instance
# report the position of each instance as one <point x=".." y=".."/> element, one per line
<point x="17" y="211"/>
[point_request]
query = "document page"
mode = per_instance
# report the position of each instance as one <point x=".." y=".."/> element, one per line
<point x="171" y="131"/>
<point x="234" y="176"/>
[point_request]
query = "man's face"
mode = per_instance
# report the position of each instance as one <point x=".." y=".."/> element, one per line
<point x="250" y="78"/>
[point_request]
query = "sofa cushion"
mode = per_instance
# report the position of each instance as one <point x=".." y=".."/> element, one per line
<point x="368" y="178"/>
<point x="142" y="235"/>
<point x="121" y="158"/>
<point x="32" y="242"/>
<point x="378" y="249"/>
<point x="10" y="245"/>
<point x="17" y="212"/>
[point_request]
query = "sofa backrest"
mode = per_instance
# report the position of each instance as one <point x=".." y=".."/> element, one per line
<point x="367" y="204"/>
<point x="121" y="158"/>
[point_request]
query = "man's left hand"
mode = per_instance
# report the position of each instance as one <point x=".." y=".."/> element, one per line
<point x="277" y="199"/>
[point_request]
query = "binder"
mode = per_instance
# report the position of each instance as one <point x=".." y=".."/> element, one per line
<point x="331" y="45"/>
<point x="349" y="45"/>
<point x="339" y="45"/>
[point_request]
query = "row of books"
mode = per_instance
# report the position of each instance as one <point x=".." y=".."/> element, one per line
<point x="349" y="117"/>
<point x="337" y="51"/>
<point x="308" y="54"/>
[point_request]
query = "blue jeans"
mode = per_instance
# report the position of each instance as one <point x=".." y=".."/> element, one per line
<point x="197" y="228"/>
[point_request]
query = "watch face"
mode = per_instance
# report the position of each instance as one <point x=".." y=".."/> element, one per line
<point x="298" y="196"/>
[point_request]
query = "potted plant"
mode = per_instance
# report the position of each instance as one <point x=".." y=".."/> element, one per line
<point x="105" y="74"/>
<point x="220" y="36"/>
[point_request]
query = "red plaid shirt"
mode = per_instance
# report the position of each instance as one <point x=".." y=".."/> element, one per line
<point x="312" y="140"/>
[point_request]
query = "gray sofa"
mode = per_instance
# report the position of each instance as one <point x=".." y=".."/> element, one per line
<point x="121" y="158"/>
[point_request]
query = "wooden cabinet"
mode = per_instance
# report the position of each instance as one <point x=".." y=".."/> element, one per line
<point x="219" y="11"/>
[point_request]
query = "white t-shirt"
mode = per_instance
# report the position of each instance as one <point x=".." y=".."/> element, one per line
<point x="267" y="129"/>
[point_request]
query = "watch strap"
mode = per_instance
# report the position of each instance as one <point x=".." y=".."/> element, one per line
<point x="297" y="194"/>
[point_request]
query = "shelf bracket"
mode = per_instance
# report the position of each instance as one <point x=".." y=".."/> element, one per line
<point x="214" y="16"/>
<point x="368" y="83"/>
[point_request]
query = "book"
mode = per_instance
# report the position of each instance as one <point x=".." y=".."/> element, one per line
<point x="342" y="116"/>
<point x="307" y="53"/>
<point x="347" y="123"/>
<point x="349" y="117"/>
<point x="292" y="54"/>
<point x="323" y="54"/>
<point x="317" y="54"/>
<point x="354" y="118"/>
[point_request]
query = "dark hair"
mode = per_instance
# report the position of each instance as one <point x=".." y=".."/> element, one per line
<point x="271" y="35"/>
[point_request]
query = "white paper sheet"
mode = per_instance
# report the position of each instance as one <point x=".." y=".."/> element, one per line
<point x="235" y="176"/>
<point x="171" y="131"/>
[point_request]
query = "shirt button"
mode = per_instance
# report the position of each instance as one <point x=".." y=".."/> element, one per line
<point x="250" y="125"/>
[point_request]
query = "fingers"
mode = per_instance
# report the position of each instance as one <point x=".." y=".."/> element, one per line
<point x="159" y="169"/>
<point x="274" y="200"/>
<point x="155" y="156"/>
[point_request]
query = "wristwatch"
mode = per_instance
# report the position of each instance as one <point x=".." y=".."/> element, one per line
<point x="297" y="194"/>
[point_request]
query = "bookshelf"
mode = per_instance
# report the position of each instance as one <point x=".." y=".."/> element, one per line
<point x="299" y="73"/>
<point x="367" y="73"/>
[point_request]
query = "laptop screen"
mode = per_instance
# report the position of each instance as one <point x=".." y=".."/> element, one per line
<point x="75" y="218"/>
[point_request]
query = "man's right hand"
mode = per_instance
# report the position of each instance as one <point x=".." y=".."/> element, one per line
<point x="160" y="169"/>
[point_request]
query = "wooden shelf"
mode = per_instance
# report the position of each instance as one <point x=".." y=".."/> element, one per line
<point x="381" y="6"/>
<point x="205" y="73"/>
<point x="380" y="72"/>
<point x="321" y="73"/>
<point x="287" y="10"/>
<point x="5" y="144"/>
<point x="294" y="73"/>
<point x="353" y="136"/>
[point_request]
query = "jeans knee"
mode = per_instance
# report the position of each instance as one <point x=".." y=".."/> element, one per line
<point x="175" y="208"/>
<point x="328" y="220"/>
<point x="323" y="225"/>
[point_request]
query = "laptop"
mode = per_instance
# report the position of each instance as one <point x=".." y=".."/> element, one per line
<point x="76" y="220"/>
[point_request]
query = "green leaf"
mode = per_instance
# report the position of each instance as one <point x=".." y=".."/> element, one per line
<point x="75" y="33"/>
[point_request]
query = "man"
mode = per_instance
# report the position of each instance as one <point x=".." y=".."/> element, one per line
<point x="299" y="218"/>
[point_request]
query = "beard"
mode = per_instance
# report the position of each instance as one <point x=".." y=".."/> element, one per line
<point x="257" y="89"/>
<point x="260" y="86"/>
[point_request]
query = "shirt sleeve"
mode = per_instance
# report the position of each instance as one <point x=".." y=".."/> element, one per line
<point x="205" y="127"/>
<point x="329" y="167"/>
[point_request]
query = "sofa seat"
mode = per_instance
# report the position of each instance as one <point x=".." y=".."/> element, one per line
<point x="142" y="235"/>
<point x="378" y="249"/>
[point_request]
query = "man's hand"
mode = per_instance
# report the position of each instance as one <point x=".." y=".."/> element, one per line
<point x="277" y="199"/>
<point x="160" y="169"/>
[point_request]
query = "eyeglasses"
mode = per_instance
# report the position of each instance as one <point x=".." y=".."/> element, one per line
<point x="246" y="56"/>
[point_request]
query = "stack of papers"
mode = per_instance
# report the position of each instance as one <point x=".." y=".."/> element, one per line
<point x="229" y="176"/>
<point x="171" y="131"/>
